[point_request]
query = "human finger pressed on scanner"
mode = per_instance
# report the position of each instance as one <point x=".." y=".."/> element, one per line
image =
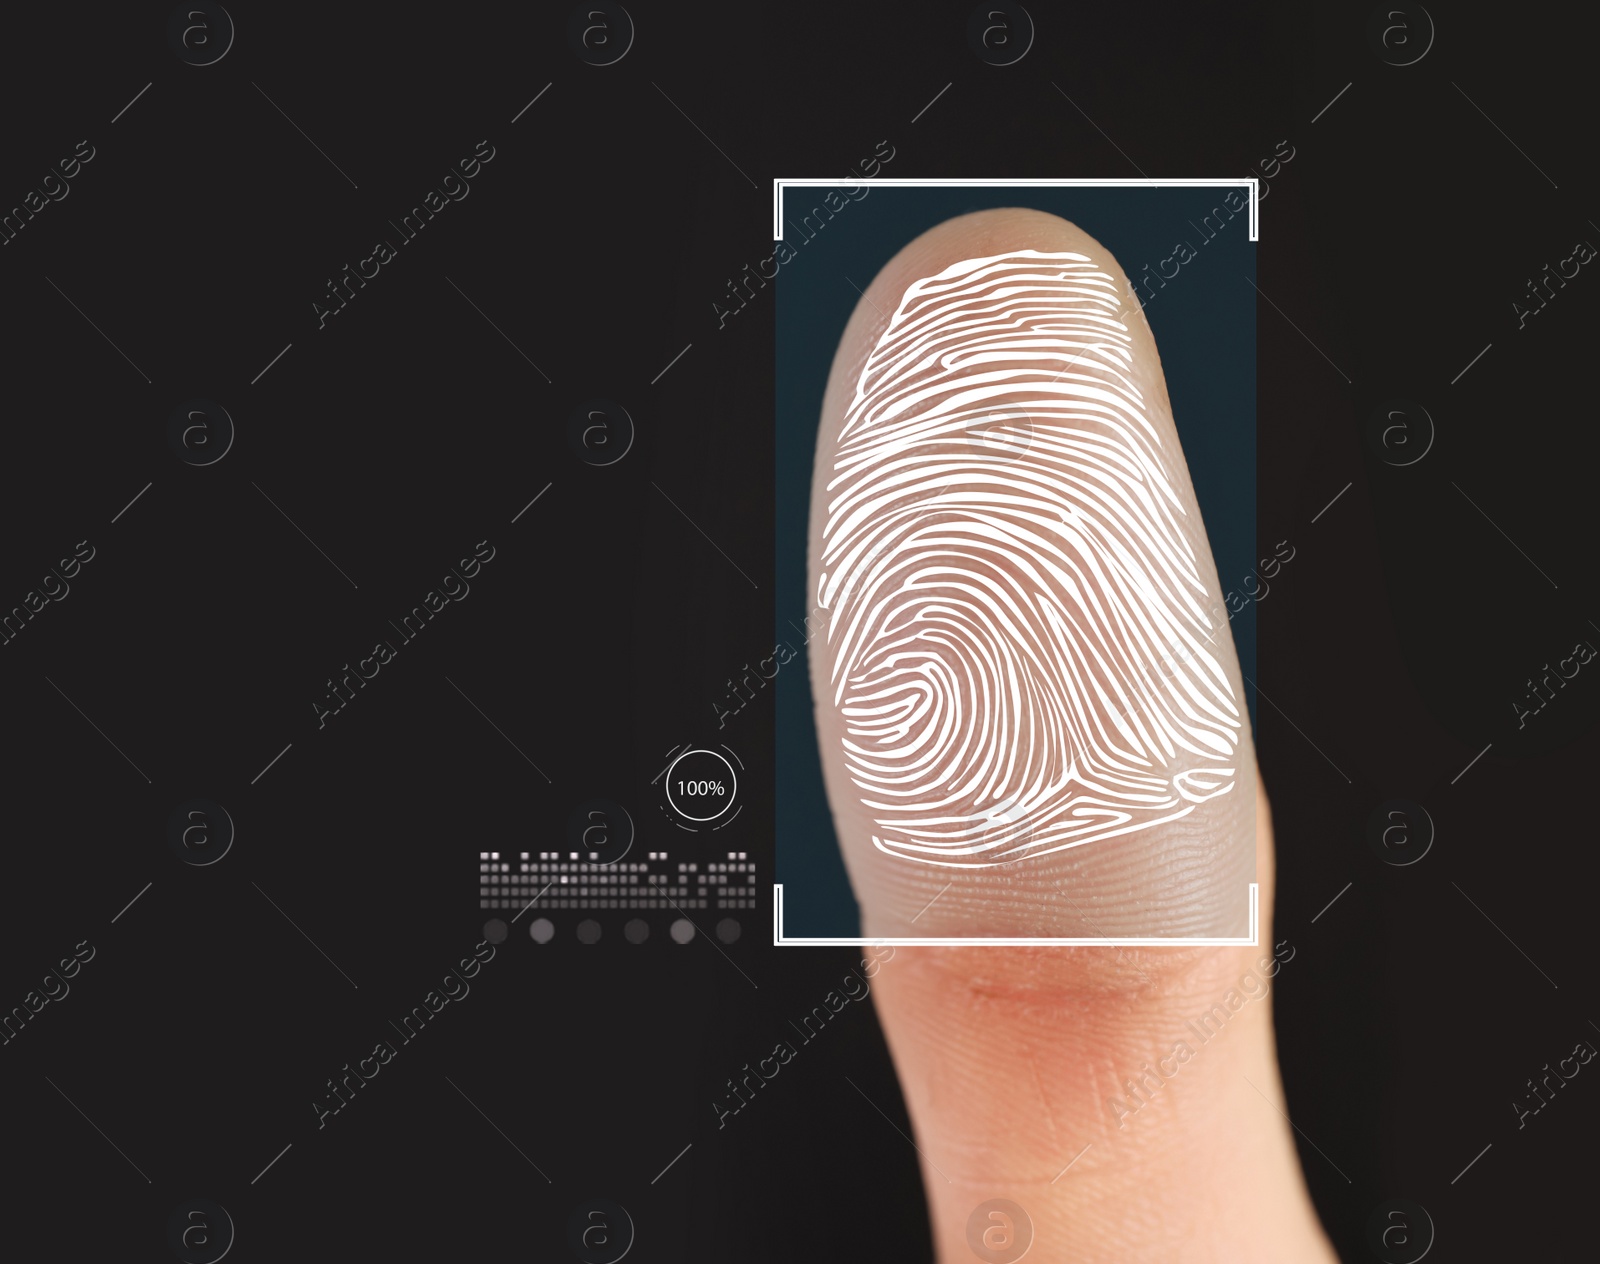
<point x="1032" y="725"/>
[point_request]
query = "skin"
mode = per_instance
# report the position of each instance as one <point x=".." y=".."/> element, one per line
<point x="1008" y="1057"/>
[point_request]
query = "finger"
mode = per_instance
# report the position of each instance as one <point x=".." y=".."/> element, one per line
<point x="1129" y="1102"/>
<point x="1027" y="698"/>
<point x="1030" y="720"/>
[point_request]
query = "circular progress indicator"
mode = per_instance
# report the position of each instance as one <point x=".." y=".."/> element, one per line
<point x="701" y="785"/>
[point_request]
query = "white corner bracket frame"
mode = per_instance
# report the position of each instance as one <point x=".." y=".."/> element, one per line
<point x="1252" y="185"/>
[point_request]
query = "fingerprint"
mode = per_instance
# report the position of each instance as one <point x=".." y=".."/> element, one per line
<point x="1020" y="644"/>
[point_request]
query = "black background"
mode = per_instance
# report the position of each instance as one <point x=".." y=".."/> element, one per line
<point x="1392" y="247"/>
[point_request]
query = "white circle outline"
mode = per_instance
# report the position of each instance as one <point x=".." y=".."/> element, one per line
<point x="731" y="777"/>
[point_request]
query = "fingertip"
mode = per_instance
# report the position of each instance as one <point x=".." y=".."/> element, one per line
<point x="1028" y="711"/>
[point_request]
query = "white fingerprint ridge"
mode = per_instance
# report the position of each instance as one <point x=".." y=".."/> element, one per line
<point x="1018" y="635"/>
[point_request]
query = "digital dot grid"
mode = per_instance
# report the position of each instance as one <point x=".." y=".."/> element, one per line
<point x="680" y="885"/>
<point x="568" y="880"/>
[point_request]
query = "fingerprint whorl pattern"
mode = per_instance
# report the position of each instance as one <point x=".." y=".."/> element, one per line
<point x="1018" y="633"/>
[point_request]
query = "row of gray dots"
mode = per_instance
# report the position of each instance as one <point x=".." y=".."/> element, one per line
<point x="542" y="930"/>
